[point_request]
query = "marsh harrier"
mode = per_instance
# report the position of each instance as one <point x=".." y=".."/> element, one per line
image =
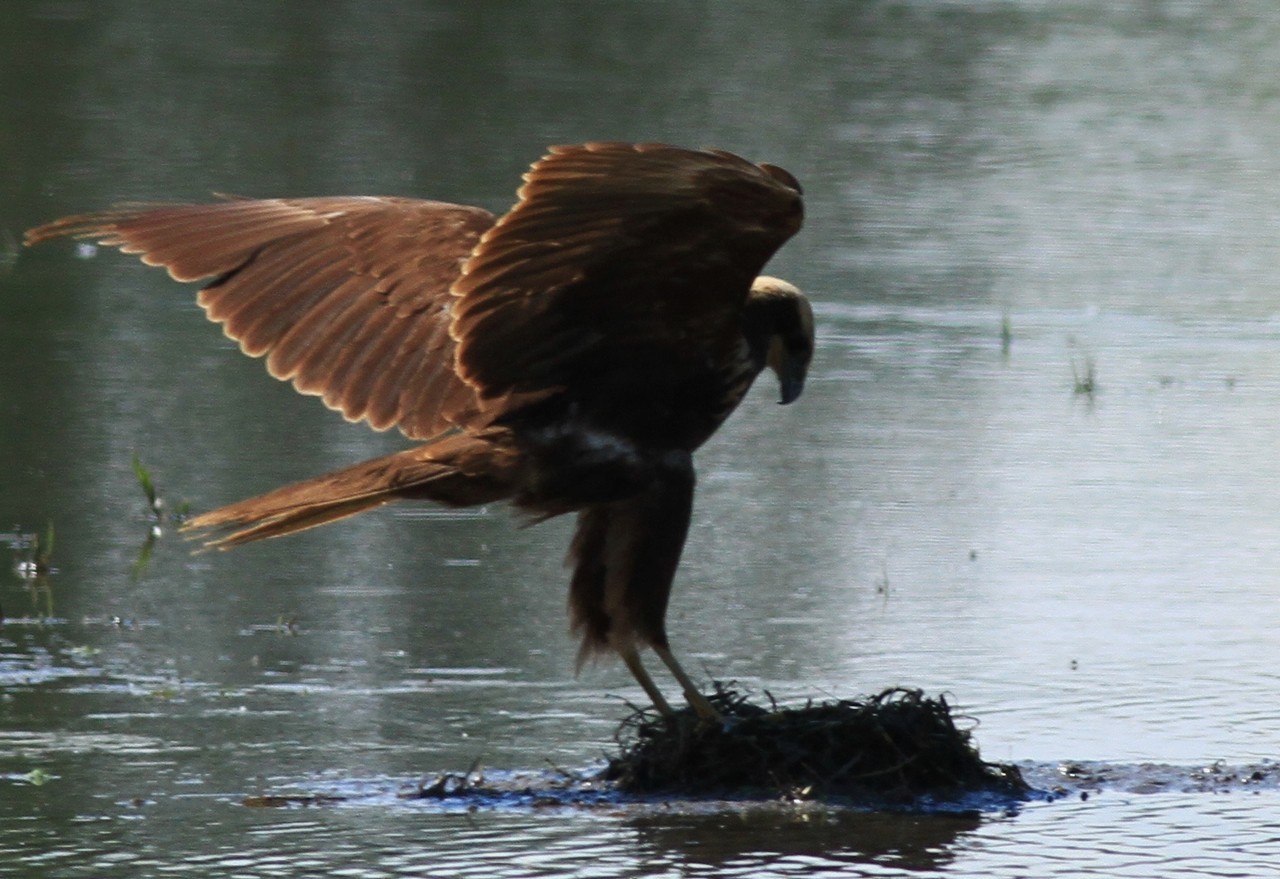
<point x="567" y="357"/>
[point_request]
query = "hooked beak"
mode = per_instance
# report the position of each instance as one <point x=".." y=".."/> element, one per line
<point x="791" y="373"/>
<point x="791" y="387"/>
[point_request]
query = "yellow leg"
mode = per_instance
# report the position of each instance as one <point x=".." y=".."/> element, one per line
<point x="631" y="657"/>
<point x="700" y="703"/>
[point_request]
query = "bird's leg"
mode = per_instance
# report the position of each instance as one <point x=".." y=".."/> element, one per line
<point x="701" y="704"/>
<point x="631" y="657"/>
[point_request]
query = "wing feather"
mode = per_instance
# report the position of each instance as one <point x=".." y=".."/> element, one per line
<point x="362" y="360"/>
<point x="613" y="252"/>
<point x="303" y="339"/>
<point x="621" y="268"/>
<point x="262" y="322"/>
<point x="339" y="294"/>
<point x="386" y="390"/>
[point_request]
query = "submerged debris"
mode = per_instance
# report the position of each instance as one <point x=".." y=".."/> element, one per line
<point x="280" y="801"/>
<point x="898" y="747"/>
<point x="448" y="784"/>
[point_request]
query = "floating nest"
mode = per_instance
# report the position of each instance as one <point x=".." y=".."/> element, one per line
<point x="898" y="747"/>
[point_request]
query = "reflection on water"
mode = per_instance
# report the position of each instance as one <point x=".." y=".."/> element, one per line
<point x="999" y="195"/>
<point x="736" y="842"/>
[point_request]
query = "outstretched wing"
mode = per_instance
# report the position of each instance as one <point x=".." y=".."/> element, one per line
<point x="616" y="258"/>
<point x="348" y="298"/>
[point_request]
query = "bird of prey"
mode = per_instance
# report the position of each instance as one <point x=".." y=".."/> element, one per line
<point x="566" y="357"/>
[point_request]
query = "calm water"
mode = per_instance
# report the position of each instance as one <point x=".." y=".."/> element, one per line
<point x="1091" y="575"/>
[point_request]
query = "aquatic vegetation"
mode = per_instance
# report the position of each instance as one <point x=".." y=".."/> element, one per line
<point x="1084" y="377"/>
<point x="898" y="747"/>
<point x="148" y="487"/>
<point x="33" y="565"/>
<point x="155" y="503"/>
<point x="35" y="553"/>
<point x="37" y="777"/>
<point x="159" y="515"/>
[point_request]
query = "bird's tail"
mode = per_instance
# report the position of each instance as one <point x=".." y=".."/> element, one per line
<point x="459" y="470"/>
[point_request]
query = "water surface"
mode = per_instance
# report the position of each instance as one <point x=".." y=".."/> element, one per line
<point x="1007" y="203"/>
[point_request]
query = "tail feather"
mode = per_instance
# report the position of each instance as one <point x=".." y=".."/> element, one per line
<point x="460" y="470"/>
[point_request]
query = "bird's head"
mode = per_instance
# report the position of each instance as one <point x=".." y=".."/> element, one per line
<point x="781" y="320"/>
